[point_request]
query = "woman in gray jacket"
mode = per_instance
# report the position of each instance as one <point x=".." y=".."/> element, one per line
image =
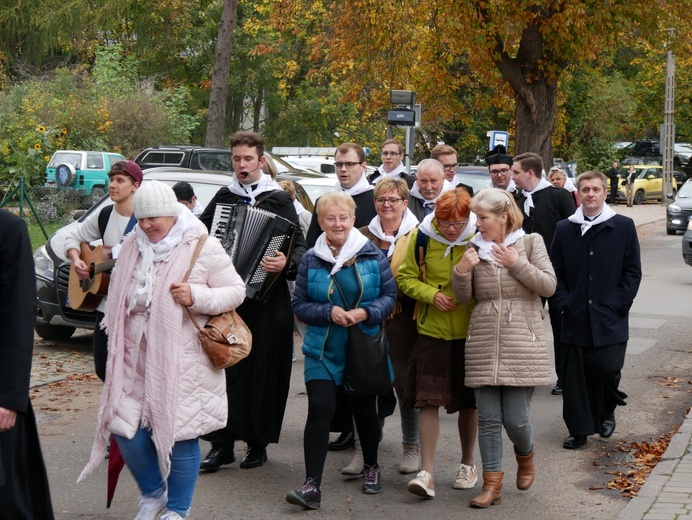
<point x="507" y="353"/>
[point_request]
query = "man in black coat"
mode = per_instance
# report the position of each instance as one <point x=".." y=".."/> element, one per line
<point x="392" y="165"/>
<point x="258" y="386"/>
<point x="598" y="267"/>
<point x="543" y="206"/>
<point x="24" y="490"/>
<point x="614" y="176"/>
<point x="350" y="164"/>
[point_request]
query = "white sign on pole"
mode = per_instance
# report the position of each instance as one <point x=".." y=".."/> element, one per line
<point x="498" y="137"/>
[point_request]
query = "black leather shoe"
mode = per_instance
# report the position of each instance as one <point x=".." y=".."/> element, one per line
<point x="557" y="390"/>
<point x="254" y="458"/>
<point x="342" y="442"/>
<point x="216" y="458"/>
<point x="574" y="441"/>
<point x="608" y="426"/>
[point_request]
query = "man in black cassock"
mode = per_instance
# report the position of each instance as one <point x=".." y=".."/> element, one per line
<point x="258" y="386"/>
<point x="543" y="206"/>
<point x="24" y="491"/>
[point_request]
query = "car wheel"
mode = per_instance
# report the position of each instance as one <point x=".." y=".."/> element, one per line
<point x="96" y="195"/>
<point x="65" y="174"/>
<point x="671" y="231"/>
<point x="53" y="332"/>
<point x="639" y="197"/>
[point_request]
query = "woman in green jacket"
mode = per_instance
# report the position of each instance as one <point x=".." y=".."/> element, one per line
<point x="436" y="368"/>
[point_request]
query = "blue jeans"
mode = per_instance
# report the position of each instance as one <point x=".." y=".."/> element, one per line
<point x="507" y="406"/>
<point x="141" y="458"/>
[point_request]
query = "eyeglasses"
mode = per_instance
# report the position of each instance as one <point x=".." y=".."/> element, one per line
<point x="348" y="165"/>
<point x="497" y="173"/>
<point x="443" y="224"/>
<point x="393" y="201"/>
<point x="390" y="154"/>
<point x="452" y="167"/>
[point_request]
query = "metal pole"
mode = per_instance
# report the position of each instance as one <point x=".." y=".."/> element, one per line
<point x="669" y="124"/>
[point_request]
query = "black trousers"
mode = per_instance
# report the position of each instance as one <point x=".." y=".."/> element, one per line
<point x="100" y="346"/>
<point x="590" y="380"/>
<point x="322" y="400"/>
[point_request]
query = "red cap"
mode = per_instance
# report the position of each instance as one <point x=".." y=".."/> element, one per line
<point x="129" y="167"/>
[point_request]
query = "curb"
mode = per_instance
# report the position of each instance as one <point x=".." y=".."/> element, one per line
<point x="679" y="447"/>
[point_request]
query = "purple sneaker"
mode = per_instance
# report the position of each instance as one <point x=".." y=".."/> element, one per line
<point x="309" y="495"/>
<point x="371" y="481"/>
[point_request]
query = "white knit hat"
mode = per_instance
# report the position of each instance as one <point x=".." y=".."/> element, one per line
<point x="155" y="199"/>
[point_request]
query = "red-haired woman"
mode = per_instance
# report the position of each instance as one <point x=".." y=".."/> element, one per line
<point x="436" y="368"/>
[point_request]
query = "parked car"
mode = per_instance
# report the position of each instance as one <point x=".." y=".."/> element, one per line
<point x="679" y="211"/>
<point x="650" y="149"/>
<point x="477" y="177"/>
<point x="687" y="244"/>
<point x="321" y="164"/>
<point x="648" y="184"/>
<point x="55" y="320"/>
<point x="86" y="172"/>
<point x="186" y="156"/>
<point x="684" y="151"/>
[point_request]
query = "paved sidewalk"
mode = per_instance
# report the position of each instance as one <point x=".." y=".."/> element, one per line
<point x="667" y="492"/>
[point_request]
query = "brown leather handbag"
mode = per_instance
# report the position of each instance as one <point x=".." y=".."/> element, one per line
<point x="225" y="338"/>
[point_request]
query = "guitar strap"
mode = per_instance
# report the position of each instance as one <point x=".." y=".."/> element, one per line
<point x="130" y="226"/>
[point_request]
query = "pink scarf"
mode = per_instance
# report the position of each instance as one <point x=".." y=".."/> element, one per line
<point x="163" y="349"/>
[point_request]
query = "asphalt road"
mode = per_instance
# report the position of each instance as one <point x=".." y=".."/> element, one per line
<point x="569" y="484"/>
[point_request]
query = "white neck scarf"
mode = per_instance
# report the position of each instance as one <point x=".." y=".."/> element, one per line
<point x="528" y="202"/>
<point x="408" y="222"/>
<point x="359" y="187"/>
<point x="263" y="185"/>
<point x="415" y="191"/>
<point x="354" y="243"/>
<point x="153" y="252"/>
<point x="395" y="173"/>
<point x="485" y="248"/>
<point x="427" y="228"/>
<point x="569" y="185"/>
<point x="578" y="218"/>
<point x="299" y="207"/>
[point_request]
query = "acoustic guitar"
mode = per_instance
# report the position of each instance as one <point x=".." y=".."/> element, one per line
<point x="85" y="295"/>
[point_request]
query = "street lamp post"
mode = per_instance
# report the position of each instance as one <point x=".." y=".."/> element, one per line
<point x="669" y="123"/>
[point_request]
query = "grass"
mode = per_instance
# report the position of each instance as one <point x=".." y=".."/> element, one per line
<point x="36" y="235"/>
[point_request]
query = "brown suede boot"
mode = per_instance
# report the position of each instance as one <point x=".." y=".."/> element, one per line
<point x="525" y="471"/>
<point x="492" y="489"/>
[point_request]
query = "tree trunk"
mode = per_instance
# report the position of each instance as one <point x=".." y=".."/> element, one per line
<point x="216" y="118"/>
<point x="535" y="95"/>
<point x="257" y="109"/>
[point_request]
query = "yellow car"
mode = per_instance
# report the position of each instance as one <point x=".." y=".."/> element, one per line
<point x="648" y="184"/>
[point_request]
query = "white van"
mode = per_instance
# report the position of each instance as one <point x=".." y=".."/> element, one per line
<point x="318" y="163"/>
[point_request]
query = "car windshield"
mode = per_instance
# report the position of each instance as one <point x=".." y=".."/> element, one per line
<point x="685" y="191"/>
<point x="73" y="158"/>
<point x="477" y="180"/>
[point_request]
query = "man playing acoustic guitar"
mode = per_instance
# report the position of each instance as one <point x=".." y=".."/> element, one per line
<point x="110" y="225"/>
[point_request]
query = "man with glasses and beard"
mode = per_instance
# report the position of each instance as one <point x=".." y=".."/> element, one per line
<point x="392" y="155"/>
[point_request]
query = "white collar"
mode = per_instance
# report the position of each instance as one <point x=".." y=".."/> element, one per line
<point x="408" y="222"/>
<point x="396" y="172"/>
<point x="427" y="228"/>
<point x="263" y="185"/>
<point x="528" y="201"/>
<point x="578" y="218"/>
<point x="354" y="243"/>
<point x="415" y="192"/>
<point x="485" y="248"/>
<point x="359" y="187"/>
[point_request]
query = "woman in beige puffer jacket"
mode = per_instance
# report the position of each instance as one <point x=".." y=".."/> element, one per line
<point x="507" y="353"/>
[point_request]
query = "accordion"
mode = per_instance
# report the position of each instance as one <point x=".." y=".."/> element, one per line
<point x="249" y="234"/>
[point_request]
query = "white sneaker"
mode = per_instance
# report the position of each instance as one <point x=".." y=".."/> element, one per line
<point x="422" y="485"/>
<point x="172" y="515"/>
<point x="150" y="508"/>
<point x="466" y="477"/>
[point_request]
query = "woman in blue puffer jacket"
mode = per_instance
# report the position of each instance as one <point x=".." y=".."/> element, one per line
<point x="362" y="271"/>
